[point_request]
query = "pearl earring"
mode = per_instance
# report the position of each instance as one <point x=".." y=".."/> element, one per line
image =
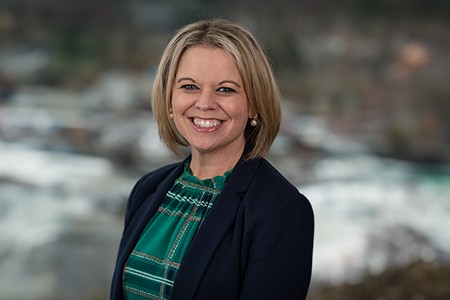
<point x="254" y="121"/>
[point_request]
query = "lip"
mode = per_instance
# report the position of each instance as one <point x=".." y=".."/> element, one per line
<point x="206" y="129"/>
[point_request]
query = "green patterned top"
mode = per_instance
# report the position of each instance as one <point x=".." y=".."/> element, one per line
<point x="152" y="267"/>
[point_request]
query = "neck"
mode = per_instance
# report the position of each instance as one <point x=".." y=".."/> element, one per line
<point x="204" y="166"/>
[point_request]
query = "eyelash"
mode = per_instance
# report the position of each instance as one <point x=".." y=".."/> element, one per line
<point x="191" y="87"/>
<point x="225" y="90"/>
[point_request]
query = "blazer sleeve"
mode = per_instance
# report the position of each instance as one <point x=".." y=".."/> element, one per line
<point x="280" y="257"/>
<point x="131" y="207"/>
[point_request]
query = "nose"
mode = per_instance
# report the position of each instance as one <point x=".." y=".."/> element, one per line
<point x="206" y="101"/>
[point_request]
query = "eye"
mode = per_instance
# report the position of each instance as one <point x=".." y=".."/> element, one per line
<point x="189" y="87"/>
<point x="225" y="90"/>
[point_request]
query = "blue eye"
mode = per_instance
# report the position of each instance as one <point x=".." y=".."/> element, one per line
<point x="189" y="87"/>
<point x="225" y="90"/>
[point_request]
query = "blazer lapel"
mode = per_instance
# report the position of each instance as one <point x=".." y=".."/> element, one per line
<point x="145" y="213"/>
<point x="212" y="230"/>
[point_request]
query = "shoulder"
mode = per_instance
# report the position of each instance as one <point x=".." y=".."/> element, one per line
<point x="269" y="181"/>
<point x="148" y="183"/>
<point x="269" y="175"/>
<point x="272" y="207"/>
<point x="269" y="189"/>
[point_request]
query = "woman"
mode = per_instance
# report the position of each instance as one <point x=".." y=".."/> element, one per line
<point x="223" y="223"/>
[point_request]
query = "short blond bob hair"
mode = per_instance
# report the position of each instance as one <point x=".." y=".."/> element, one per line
<point x="259" y="82"/>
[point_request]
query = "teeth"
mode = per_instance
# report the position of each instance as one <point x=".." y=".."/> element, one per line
<point x="206" y="123"/>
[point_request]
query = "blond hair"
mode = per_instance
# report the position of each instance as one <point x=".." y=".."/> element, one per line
<point x="259" y="82"/>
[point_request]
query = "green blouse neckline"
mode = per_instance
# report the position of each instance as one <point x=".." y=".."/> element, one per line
<point x="217" y="182"/>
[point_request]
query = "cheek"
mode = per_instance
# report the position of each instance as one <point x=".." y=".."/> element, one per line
<point x="243" y="112"/>
<point x="180" y="103"/>
<point x="176" y="104"/>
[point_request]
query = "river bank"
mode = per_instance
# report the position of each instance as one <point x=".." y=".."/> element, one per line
<point x="418" y="281"/>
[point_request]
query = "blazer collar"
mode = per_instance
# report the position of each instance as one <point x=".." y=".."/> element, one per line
<point x="213" y="228"/>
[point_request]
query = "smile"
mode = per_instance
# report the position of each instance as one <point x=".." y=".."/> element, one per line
<point x="206" y="123"/>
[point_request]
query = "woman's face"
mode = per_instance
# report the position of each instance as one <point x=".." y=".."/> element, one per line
<point x="209" y="103"/>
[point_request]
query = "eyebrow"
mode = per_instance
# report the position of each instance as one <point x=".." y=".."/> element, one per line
<point x="230" y="81"/>
<point x="222" y="82"/>
<point x="185" y="78"/>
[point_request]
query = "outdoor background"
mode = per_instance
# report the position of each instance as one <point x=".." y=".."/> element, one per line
<point x="365" y="136"/>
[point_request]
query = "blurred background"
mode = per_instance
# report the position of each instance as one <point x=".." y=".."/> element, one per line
<point x="365" y="136"/>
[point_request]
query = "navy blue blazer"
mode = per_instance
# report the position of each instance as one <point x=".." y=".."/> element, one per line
<point x="256" y="242"/>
